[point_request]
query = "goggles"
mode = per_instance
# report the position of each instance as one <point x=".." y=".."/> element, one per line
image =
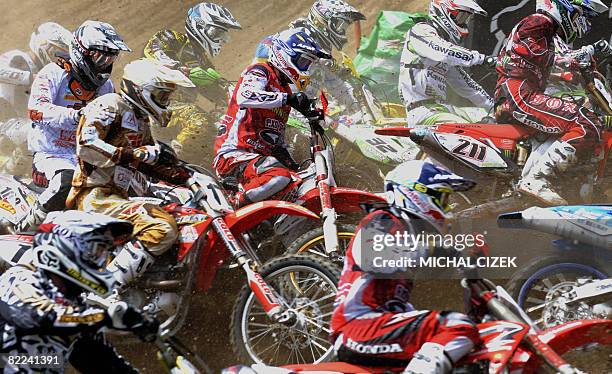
<point x="339" y="25"/>
<point x="440" y="197"/>
<point x="101" y="59"/>
<point x="98" y="253"/>
<point x="161" y="96"/>
<point x="303" y="61"/>
<point x="461" y="18"/>
<point x="216" y="34"/>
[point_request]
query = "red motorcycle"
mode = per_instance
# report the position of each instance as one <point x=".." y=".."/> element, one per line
<point x="512" y="343"/>
<point x="315" y="188"/>
<point x="496" y="155"/>
<point x="279" y="295"/>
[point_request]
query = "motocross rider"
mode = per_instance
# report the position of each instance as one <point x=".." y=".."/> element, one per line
<point x="524" y="66"/>
<point x="374" y="323"/>
<point x="42" y="308"/>
<point x="59" y="92"/>
<point x="432" y="62"/>
<point x="327" y="22"/>
<point x="114" y="142"/>
<point x="207" y="26"/>
<point x="250" y="147"/>
<point x="17" y="70"/>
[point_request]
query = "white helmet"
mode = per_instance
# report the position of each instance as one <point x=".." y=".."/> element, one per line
<point x="572" y="16"/>
<point x="329" y="19"/>
<point x="94" y="48"/>
<point x="148" y="84"/>
<point x="207" y="26"/>
<point x="453" y="16"/>
<point x="50" y="41"/>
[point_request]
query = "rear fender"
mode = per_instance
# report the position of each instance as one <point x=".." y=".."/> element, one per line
<point x="344" y="200"/>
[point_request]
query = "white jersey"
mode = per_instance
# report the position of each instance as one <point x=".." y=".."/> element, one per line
<point x="17" y="71"/>
<point x="430" y="64"/>
<point x="324" y="76"/>
<point x="53" y="109"/>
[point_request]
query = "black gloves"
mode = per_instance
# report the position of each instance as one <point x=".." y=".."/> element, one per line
<point x="283" y="155"/>
<point x="490" y="61"/>
<point x="124" y="317"/>
<point x="603" y="47"/>
<point x="300" y="102"/>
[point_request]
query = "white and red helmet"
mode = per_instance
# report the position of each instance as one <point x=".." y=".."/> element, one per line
<point x="292" y="52"/>
<point x="453" y="16"/>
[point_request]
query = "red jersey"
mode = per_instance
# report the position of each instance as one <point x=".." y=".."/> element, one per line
<point x="257" y="114"/>
<point x="365" y="294"/>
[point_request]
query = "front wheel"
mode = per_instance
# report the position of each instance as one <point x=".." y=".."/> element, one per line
<point x="306" y="285"/>
<point x="313" y="242"/>
<point x="547" y="278"/>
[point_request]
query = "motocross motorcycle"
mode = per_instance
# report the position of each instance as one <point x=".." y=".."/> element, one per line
<point x="512" y="342"/>
<point x="279" y="297"/>
<point x="353" y="133"/>
<point x="497" y="155"/>
<point x="315" y="188"/>
<point x="574" y="282"/>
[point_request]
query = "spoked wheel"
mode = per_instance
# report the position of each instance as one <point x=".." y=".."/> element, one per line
<point x="313" y="242"/>
<point x="307" y="284"/>
<point x="548" y="278"/>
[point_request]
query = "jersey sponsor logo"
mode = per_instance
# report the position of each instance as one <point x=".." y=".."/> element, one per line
<point x="92" y="318"/>
<point x="450" y="52"/>
<point x="274" y="124"/>
<point x="554" y="103"/>
<point x="129" y="121"/>
<point x="35" y="115"/>
<point x="373" y="349"/>
<point x="522" y="118"/>
<point x="270" y="136"/>
<point x="258" y="96"/>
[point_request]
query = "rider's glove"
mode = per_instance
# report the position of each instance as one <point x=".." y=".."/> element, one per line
<point x="124" y="317"/>
<point x="602" y="47"/>
<point x="490" y="61"/>
<point x="76" y="116"/>
<point x="282" y="154"/>
<point x="149" y="154"/>
<point x="299" y="102"/>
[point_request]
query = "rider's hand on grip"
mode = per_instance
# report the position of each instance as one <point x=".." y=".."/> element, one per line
<point x="300" y="102"/>
<point x="490" y="61"/>
<point x="602" y="47"/>
<point x="149" y="154"/>
<point x="125" y="317"/>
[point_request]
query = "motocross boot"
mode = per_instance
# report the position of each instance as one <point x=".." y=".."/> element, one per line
<point x="429" y="359"/>
<point x="30" y="222"/>
<point x="536" y="183"/>
<point x="131" y="262"/>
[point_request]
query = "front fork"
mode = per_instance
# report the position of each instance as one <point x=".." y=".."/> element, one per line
<point x="257" y="284"/>
<point x="328" y="213"/>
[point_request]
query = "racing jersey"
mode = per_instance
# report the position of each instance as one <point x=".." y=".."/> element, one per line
<point x="17" y="71"/>
<point x="430" y="64"/>
<point x="529" y="53"/>
<point x="325" y="75"/>
<point x="107" y="128"/>
<point x="53" y="108"/>
<point x="36" y="318"/>
<point x="367" y="292"/>
<point x="257" y="114"/>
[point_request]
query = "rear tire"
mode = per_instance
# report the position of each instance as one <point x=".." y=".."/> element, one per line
<point x="298" y="278"/>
